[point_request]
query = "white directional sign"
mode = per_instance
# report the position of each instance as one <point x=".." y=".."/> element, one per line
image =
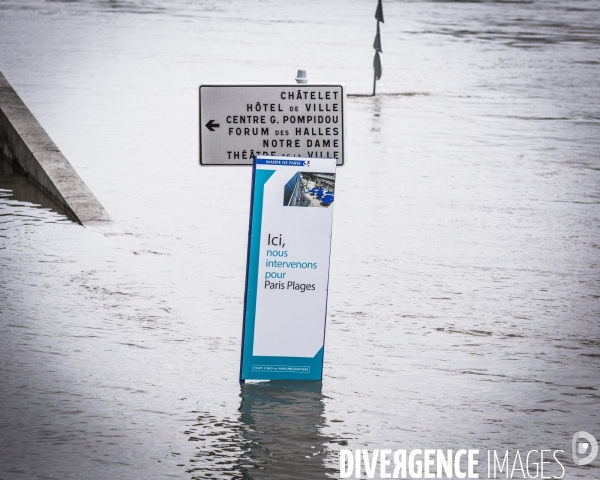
<point x="238" y="121"/>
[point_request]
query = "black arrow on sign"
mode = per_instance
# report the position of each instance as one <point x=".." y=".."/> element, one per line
<point x="211" y="125"/>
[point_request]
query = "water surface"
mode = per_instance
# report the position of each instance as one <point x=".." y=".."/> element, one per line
<point x="464" y="299"/>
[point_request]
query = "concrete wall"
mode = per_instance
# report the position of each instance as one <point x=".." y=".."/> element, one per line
<point x="23" y="138"/>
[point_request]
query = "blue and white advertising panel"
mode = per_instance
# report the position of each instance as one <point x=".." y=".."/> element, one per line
<point x="287" y="273"/>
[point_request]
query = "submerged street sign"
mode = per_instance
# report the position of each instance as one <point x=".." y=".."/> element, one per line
<point x="238" y="121"/>
<point x="287" y="273"/>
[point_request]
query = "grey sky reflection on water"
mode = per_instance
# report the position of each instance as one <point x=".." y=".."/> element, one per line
<point x="277" y="435"/>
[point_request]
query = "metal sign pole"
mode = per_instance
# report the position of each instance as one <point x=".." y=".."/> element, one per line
<point x="377" y="46"/>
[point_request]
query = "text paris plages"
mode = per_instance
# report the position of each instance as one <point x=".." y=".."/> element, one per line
<point x="280" y="267"/>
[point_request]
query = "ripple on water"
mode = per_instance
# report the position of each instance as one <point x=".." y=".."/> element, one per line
<point x="277" y="434"/>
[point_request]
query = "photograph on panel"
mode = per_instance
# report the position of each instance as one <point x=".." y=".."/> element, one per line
<point x="306" y="189"/>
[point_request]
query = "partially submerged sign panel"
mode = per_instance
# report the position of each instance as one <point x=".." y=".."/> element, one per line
<point x="237" y="121"/>
<point x="288" y="268"/>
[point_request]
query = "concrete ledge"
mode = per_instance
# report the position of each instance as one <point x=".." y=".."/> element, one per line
<point x="23" y="139"/>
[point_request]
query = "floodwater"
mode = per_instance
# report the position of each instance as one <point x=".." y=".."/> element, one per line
<point x="464" y="305"/>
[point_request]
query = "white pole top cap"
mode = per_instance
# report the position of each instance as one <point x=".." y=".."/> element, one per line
<point x="301" y="77"/>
